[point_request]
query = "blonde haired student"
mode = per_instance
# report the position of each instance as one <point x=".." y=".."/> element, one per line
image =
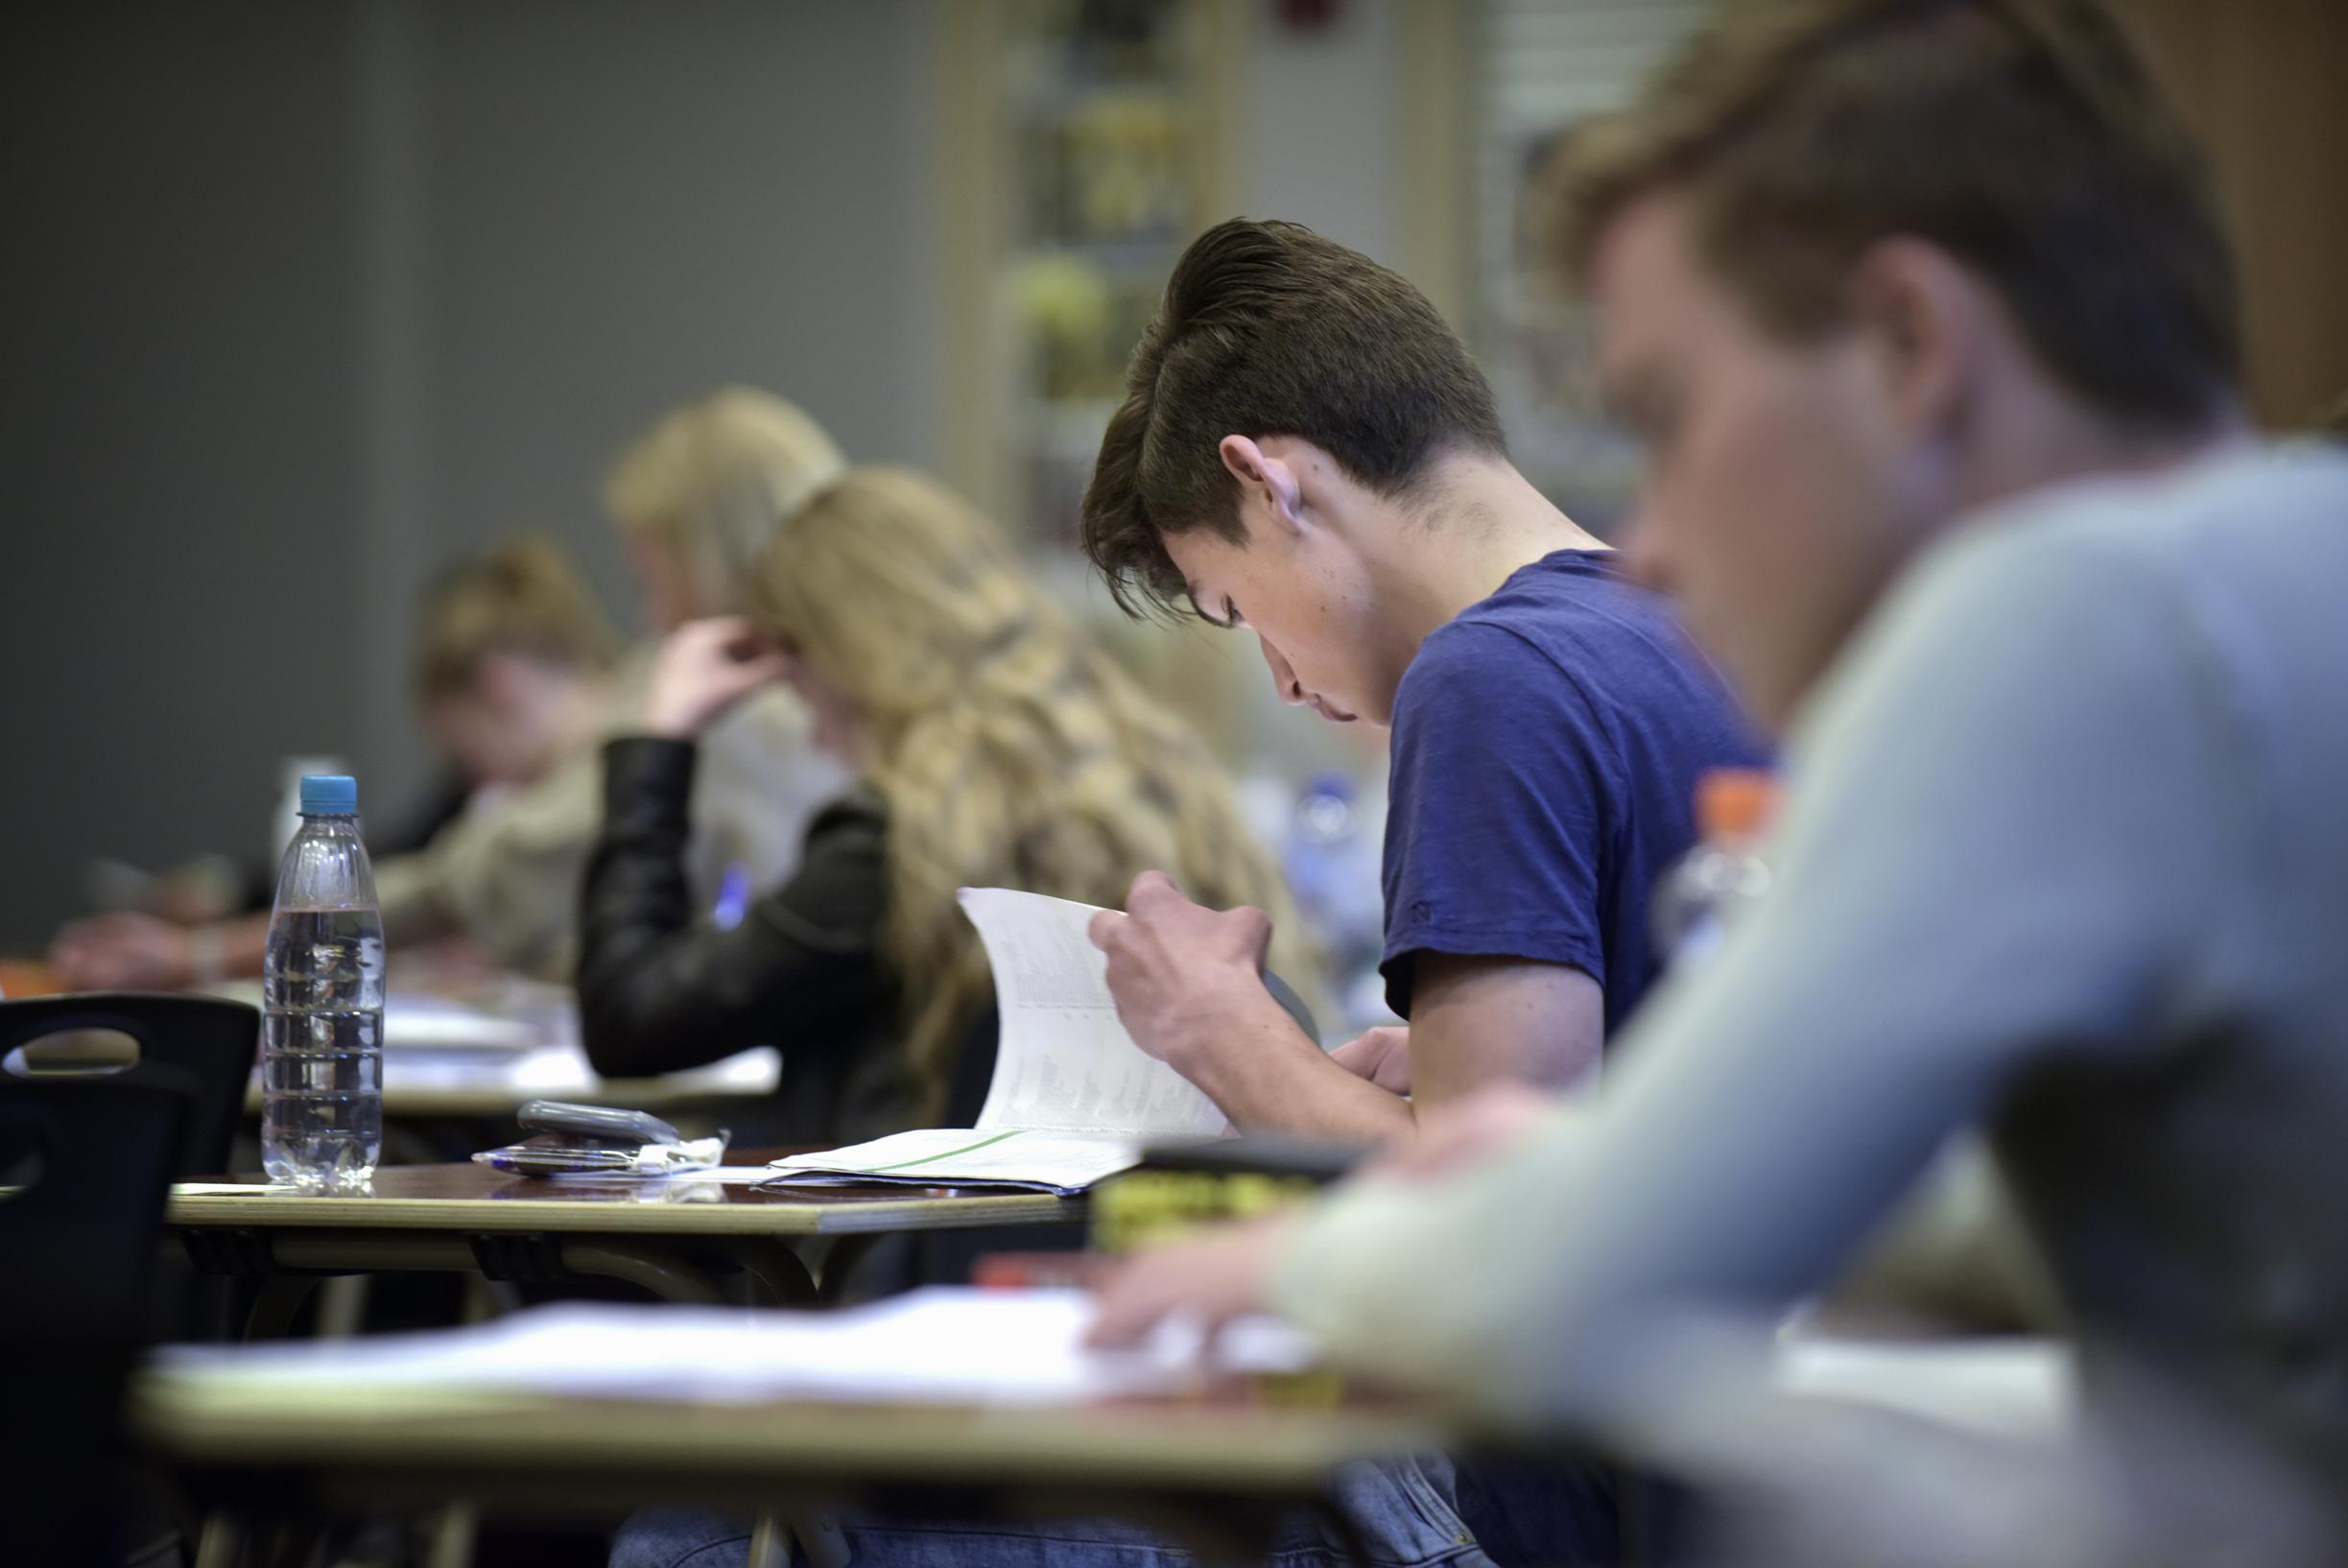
<point x="992" y="743"/>
<point x="694" y="497"/>
<point x="512" y="673"/>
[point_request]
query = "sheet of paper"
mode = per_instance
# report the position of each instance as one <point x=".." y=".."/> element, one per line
<point x="1064" y="1062"/>
<point x="2003" y="1388"/>
<point x="940" y="1345"/>
<point x="1067" y="1162"/>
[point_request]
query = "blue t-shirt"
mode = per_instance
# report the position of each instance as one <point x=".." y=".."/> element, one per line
<point x="1546" y="746"/>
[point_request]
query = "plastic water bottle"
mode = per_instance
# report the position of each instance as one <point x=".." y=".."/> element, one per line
<point x="1331" y="857"/>
<point x="321" y="1001"/>
<point x="1701" y="897"/>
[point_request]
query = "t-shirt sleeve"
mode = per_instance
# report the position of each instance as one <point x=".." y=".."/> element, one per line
<point x="1504" y="795"/>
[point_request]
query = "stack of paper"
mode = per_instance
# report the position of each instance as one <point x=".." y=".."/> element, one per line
<point x="940" y="1345"/>
<point x="1073" y="1099"/>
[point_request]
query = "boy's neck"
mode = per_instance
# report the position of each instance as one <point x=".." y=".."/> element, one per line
<point x="1476" y="522"/>
<point x="581" y="710"/>
<point x="2034" y="435"/>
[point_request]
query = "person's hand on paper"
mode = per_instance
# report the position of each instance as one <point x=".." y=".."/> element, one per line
<point x="1184" y="975"/>
<point x="124" y="952"/>
<point x="1219" y="1273"/>
<point x="704" y="668"/>
<point x="1382" y="1055"/>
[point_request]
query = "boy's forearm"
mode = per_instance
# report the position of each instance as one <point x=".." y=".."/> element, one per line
<point x="1266" y="1076"/>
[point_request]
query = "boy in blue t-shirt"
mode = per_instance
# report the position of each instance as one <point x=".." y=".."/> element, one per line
<point x="1307" y="450"/>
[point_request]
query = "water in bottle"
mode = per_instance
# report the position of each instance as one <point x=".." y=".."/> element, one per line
<point x="321" y="1032"/>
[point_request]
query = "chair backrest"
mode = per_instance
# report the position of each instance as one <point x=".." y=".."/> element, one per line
<point x="83" y="1168"/>
<point x="208" y="1042"/>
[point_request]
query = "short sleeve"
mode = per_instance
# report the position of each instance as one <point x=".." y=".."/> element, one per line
<point x="1503" y="809"/>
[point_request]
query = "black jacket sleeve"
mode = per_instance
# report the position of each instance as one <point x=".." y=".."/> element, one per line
<point x="661" y="987"/>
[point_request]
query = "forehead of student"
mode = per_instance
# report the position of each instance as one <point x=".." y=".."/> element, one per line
<point x="1651" y="297"/>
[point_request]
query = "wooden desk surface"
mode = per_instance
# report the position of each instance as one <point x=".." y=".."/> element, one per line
<point x="492" y="1442"/>
<point x="475" y="1200"/>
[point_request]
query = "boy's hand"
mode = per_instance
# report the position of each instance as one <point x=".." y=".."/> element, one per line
<point x="1382" y="1055"/>
<point x="124" y="952"/>
<point x="1182" y="973"/>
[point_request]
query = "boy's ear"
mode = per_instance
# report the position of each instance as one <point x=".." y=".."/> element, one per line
<point x="1269" y="479"/>
<point x="1924" y="314"/>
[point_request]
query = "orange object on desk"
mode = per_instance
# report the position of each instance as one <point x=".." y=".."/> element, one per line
<point x="27" y="976"/>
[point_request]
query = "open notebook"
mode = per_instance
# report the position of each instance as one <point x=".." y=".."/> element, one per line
<point x="1073" y="1099"/>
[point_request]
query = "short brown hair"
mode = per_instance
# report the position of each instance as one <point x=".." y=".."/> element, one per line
<point x="2023" y="136"/>
<point x="523" y="597"/>
<point x="1268" y="329"/>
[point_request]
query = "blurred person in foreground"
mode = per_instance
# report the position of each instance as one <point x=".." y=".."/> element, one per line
<point x="1923" y="312"/>
<point x="992" y="744"/>
<point x="517" y="682"/>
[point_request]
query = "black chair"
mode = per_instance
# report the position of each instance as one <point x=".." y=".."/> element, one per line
<point x="208" y="1042"/>
<point x="83" y="1168"/>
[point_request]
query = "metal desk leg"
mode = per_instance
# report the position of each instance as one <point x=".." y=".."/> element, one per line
<point x="451" y="1543"/>
<point x="767" y="1549"/>
<point x="663" y="1273"/>
<point x="275" y="1304"/>
<point x="342" y="1306"/>
<point x="782" y="1278"/>
<point x="221" y="1542"/>
<point x="831" y="1259"/>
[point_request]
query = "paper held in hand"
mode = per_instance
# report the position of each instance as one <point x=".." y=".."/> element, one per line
<point x="1073" y="1099"/>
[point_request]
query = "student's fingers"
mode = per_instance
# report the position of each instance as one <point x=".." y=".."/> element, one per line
<point x="1220" y="1274"/>
<point x="1131" y="1300"/>
<point x="760" y="669"/>
<point x="1252" y="928"/>
<point x="1382" y="1055"/>
<point x="1152" y="890"/>
<point x="734" y="632"/>
<point x="116" y="952"/>
<point x="1106" y="928"/>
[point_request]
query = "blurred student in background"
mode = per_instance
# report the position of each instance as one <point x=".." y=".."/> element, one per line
<point x="992" y="744"/>
<point x="517" y="680"/>
<point x="1924" y="314"/>
<point x="513" y="671"/>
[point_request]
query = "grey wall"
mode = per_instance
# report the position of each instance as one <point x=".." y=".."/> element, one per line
<point x="303" y="300"/>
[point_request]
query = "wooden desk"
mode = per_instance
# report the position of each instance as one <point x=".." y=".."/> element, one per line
<point x="666" y="1237"/>
<point x="1217" y="1474"/>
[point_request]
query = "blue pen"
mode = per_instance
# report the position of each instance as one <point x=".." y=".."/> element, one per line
<point x="733" y="897"/>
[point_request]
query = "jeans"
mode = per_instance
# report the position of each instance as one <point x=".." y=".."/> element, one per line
<point x="1411" y="1513"/>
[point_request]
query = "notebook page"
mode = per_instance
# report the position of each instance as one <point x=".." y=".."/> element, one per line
<point x="1064" y="1062"/>
<point x="939" y="1345"/>
<point x="1066" y="1162"/>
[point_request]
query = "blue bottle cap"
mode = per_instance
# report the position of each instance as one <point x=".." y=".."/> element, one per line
<point x="329" y="795"/>
<point x="1331" y="782"/>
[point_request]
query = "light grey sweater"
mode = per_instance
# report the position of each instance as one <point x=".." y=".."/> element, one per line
<point x="2066" y="857"/>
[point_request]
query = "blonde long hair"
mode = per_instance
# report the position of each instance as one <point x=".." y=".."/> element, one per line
<point x="711" y="479"/>
<point x="1009" y="751"/>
